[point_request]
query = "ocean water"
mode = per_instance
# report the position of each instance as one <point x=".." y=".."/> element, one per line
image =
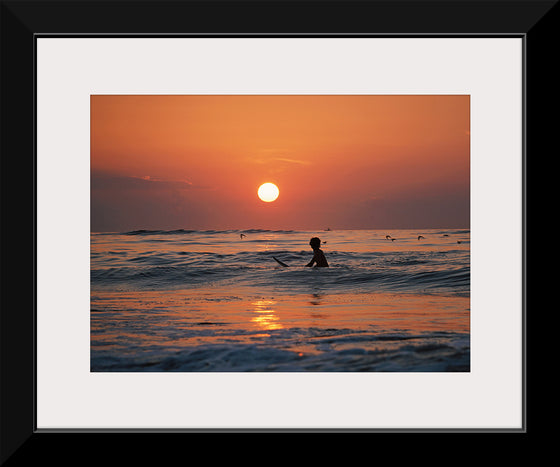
<point x="198" y="301"/>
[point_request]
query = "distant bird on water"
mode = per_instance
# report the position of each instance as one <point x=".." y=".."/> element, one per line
<point x="419" y="237"/>
<point x="458" y="241"/>
<point x="242" y="235"/>
<point x="393" y="239"/>
<point x="387" y="236"/>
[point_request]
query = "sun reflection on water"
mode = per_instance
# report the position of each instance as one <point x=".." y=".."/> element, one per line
<point x="266" y="318"/>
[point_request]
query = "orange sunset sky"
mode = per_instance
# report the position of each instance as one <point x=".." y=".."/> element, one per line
<point x="343" y="162"/>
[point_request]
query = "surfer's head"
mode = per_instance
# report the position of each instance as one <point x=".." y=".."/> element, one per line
<point x="315" y="243"/>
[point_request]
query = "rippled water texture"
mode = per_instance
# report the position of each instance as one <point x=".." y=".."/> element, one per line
<point x="217" y="301"/>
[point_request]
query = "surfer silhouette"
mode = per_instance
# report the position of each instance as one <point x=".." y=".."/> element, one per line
<point x="318" y="255"/>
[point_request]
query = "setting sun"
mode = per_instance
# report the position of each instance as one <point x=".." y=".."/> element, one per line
<point x="268" y="192"/>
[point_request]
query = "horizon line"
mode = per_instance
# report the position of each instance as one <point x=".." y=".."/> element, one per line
<point x="275" y="229"/>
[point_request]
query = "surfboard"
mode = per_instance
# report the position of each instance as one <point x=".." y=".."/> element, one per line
<point x="280" y="262"/>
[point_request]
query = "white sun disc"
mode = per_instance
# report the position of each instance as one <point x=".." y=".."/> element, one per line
<point x="268" y="192"/>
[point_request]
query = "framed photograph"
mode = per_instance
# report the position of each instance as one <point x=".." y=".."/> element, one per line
<point x="276" y="229"/>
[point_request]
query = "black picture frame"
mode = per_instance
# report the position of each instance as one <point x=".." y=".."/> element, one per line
<point x="23" y="21"/>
